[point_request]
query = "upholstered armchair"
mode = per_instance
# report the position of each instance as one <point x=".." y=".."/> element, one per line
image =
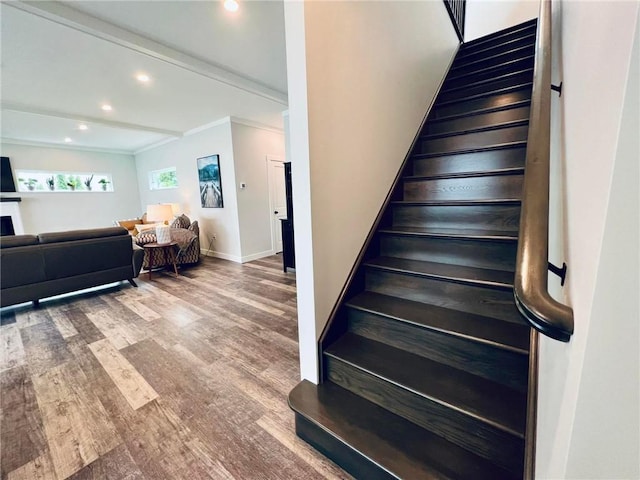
<point x="185" y="233"/>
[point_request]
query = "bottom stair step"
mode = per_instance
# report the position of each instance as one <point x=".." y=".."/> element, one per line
<point x="373" y="443"/>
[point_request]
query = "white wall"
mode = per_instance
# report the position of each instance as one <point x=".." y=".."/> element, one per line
<point x="56" y="211"/>
<point x="487" y="16"/>
<point x="361" y="77"/>
<point x="183" y="153"/>
<point x="251" y="146"/>
<point x="592" y="55"/>
<point x="605" y="442"/>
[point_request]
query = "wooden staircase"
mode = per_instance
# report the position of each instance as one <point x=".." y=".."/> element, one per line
<point x="425" y="364"/>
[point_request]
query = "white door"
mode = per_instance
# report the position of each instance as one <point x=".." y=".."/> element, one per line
<point x="277" y="200"/>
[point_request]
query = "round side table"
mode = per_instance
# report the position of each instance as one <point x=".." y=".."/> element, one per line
<point x="169" y="251"/>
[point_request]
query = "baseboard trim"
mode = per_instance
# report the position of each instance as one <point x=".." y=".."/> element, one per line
<point x="236" y="258"/>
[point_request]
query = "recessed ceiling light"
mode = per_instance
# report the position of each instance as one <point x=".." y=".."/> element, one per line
<point x="106" y="107"/>
<point x="231" y="5"/>
<point x="67" y="140"/>
<point x="142" y="77"/>
<point x="83" y="126"/>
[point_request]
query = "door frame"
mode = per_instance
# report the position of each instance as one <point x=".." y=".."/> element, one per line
<point x="272" y="158"/>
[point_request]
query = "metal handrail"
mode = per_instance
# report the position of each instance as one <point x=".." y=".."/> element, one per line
<point x="532" y="297"/>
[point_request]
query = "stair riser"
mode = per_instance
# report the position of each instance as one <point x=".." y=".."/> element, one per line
<point x="505" y="218"/>
<point x="499" y="39"/>
<point x="515" y="54"/>
<point x="495" y="255"/>
<point x="492" y="101"/>
<point x="498" y="83"/>
<point x="477" y="121"/>
<point x="474" y="140"/>
<point x="491" y="50"/>
<point x="487" y="74"/>
<point x="481" y="300"/>
<point x="488" y="442"/>
<point x="501" y="366"/>
<point x="470" y="162"/>
<point x="348" y="458"/>
<point x="503" y="187"/>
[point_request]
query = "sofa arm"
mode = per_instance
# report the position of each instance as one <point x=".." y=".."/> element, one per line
<point x="138" y="258"/>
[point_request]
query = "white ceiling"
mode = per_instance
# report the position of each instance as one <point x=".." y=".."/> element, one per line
<point x="61" y="61"/>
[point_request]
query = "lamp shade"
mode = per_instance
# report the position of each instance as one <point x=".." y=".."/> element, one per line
<point x="175" y="209"/>
<point x="159" y="213"/>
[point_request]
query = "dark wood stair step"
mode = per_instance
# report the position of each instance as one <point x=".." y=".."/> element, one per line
<point x="470" y="297"/>
<point x="521" y="122"/>
<point x="487" y="347"/>
<point x="491" y="93"/>
<point x="468" y="174"/>
<point x="481" y="416"/>
<point x="497" y="83"/>
<point x="481" y="253"/>
<point x="473" y="142"/>
<point x="371" y="442"/>
<point x="507" y="185"/>
<point x="477" y="65"/>
<point x="484" y="105"/>
<point x="452" y="273"/>
<point x="489" y="73"/>
<point x="497" y="216"/>
<point x="526" y="38"/>
<point x="491" y="403"/>
<point x="496" y="159"/>
<point x="487" y="80"/>
<point x="524" y="28"/>
<point x="490" y="331"/>
<point x="466" y="107"/>
<point x="473" y="121"/>
<point x="453" y="233"/>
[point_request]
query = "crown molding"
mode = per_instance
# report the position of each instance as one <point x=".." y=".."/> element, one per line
<point x="153" y="145"/>
<point x="30" y="143"/>
<point x="82" y="22"/>
<point x="253" y="124"/>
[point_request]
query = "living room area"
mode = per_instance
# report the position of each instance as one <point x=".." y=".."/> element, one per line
<point x="109" y="110"/>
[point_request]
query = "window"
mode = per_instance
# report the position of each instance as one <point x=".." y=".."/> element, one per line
<point x="165" y="178"/>
<point x="48" y="181"/>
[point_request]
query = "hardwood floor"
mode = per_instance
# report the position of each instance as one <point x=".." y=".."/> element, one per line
<point x="182" y="377"/>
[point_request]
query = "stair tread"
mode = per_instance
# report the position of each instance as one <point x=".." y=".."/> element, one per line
<point x="456" y="273"/>
<point x="466" y="52"/>
<point x="499" y="66"/>
<point x="490" y="93"/>
<point x="446" y="89"/>
<point x="486" y="148"/>
<point x="460" y="203"/>
<point x="396" y="445"/>
<point x="508" y="54"/>
<point x="484" y="128"/>
<point x="467" y="174"/>
<point x="487" y="401"/>
<point x="468" y="325"/>
<point x="459" y="233"/>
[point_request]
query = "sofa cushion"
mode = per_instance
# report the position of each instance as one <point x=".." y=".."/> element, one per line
<point x="22" y="266"/>
<point x="10" y="241"/>
<point x="56" y="237"/>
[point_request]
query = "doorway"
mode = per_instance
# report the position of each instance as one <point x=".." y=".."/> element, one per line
<point x="277" y="200"/>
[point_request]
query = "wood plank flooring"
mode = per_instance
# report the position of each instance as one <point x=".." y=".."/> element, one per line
<point x="182" y="377"/>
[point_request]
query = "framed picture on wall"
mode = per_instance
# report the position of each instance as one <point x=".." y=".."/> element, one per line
<point x="210" y="182"/>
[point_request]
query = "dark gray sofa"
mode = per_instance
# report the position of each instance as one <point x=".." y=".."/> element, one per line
<point x="39" y="266"/>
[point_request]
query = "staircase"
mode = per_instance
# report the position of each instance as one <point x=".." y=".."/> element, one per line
<point x="425" y="364"/>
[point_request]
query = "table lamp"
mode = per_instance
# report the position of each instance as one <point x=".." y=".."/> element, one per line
<point x="160" y="213"/>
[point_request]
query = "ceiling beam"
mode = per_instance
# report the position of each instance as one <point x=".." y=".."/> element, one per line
<point x="69" y="17"/>
<point x="14" y="107"/>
